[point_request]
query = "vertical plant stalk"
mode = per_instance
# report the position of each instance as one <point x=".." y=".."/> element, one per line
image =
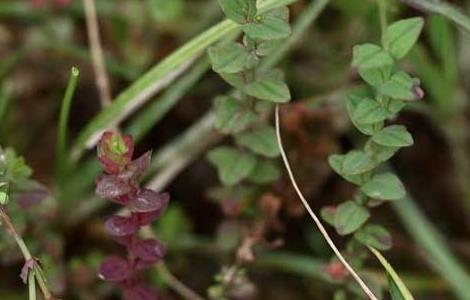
<point x="61" y="147"/>
<point x="101" y="75"/>
<point x="314" y="217"/>
<point x="382" y="4"/>
<point x="35" y="270"/>
<point x="31" y="286"/>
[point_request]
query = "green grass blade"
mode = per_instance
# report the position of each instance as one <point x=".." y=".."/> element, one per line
<point x="437" y="252"/>
<point x="403" y="290"/>
<point x="61" y="146"/>
<point x="162" y="105"/>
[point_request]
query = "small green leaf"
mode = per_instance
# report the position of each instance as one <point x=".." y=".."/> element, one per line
<point x="395" y="105"/>
<point x="401" y="86"/>
<point x="3" y="198"/>
<point x="229" y="58"/>
<point x="369" y="111"/>
<point x="230" y="116"/>
<point x="272" y="25"/>
<point x="269" y="89"/>
<point x="401" y="36"/>
<point x="261" y="140"/>
<point x="352" y="102"/>
<point x="393" y="136"/>
<point x="234" y="80"/>
<point x="16" y="167"/>
<point x="374" y="236"/>
<point x="349" y="217"/>
<point x="384" y="187"/>
<point x="396" y="285"/>
<point x="336" y="163"/>
<point x="232" y="164"/>
<point x="357" y="162"/>
<point x="265" y="172"/>
<point x="328" y="214"/>
<point x="266" y="48"/>
<point x="379" y="152"/>
<point x="239" y="11"/>
<point x="375" y="76"/>
<point x="370" y="56"/>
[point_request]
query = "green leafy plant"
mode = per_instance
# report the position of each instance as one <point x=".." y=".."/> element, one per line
<point x="243" y="114"/>
<point x="14" y="175"/>
<point x="390" y="90"/>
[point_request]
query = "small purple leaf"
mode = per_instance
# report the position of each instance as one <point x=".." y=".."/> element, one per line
<point x="114" y="269"/>
<point x="137" y="167"/>
<point x="148" y="201"/>
<point x="120" y="226"/>
<point x="140" y="292"/>
<point x="146" y="218"/>
<point x="109" y="186"/>
<point x="28" y="265"/>
<point x="149" y="250"/>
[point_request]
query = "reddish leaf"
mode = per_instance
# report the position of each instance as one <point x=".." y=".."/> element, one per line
<point x="120" y="226"/>
<point x="148" y="201"/>
<point x="115" y="269"/>
<point x="137" y="167"/>
<point x="146" y="218"/>
<point x="140" y="292"/>
<point x="149" y="250"/>
<point x="115" y="151"/>
<point x="109" y="186"/>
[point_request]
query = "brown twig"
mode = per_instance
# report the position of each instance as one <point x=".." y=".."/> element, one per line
<point x="315" y="218"/>
<point x="101" y="76"/>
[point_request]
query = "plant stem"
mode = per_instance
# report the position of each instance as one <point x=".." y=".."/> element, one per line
<point x="36" y="270"/>
<point x="97" y="57"/>
<point x="382" y="15"/>
<point x="31" y="285"/>
<point x="314" y="217"/>
<point x="61" y="147"/>
<point x="444" y="9"/>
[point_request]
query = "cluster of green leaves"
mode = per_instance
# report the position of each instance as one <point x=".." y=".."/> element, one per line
<point x="242" y="114"/>
<point x="13" y="170"/>
<point x="390" y="90"/>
